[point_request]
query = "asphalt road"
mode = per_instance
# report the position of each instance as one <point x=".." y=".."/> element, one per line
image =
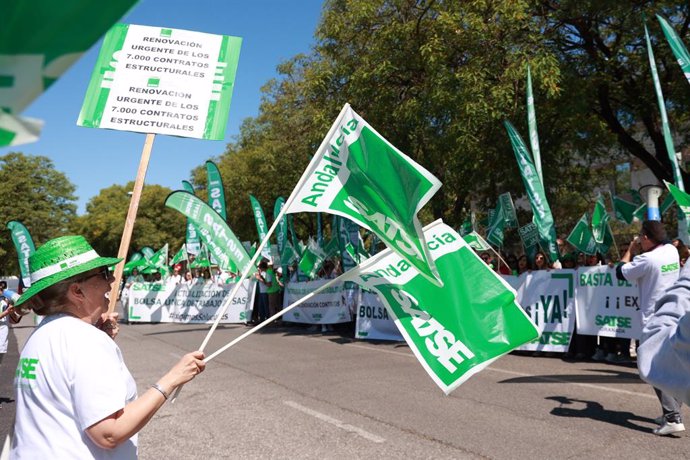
<point x="288" y="393"/>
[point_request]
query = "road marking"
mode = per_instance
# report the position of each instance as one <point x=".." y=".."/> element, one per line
<point x="335" y="422"/>
<point x="515" y="373"/>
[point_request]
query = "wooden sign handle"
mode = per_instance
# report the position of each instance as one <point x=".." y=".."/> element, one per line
<point x="131" y="217"/>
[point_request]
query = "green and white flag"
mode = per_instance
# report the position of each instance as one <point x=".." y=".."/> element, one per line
<point x="159" y="260"/>
<point x="214" y="188"/>
<point x="532" y="125"/>
<point x="162" y="81"/>
<point x="39" y="41"/>
<point x="581" y="237"/>
<point x="494" y="234"/>
<point x="214" y="231"/>
<point x="677" y="46"/>
<point x="192" y="242"/>
<point x="542" y="218"/>
<point x="641" y="212"/>
<point x="508" y="208"/>
<point x="201" y="260"/>
<point x="456" y="330"/>
<point x="530" y="239"/>
<point x="261" y="225"/>
<point x="668" y="139"/>
<point x="467" y="226"/>
<point x="624" y="210"/>
<point x="600" y="220"/>
<point x="682" y="198"/>
<point x="24" y="245"/>
<point x="180" y="256"/>
<point x="281" y="234"/>
<point x="312" y="259"/>
<point x="358" y="174"/>
<point x="476" y="242"/>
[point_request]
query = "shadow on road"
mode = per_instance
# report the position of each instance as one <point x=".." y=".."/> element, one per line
<point x="598" y="376"/>
<point x="595" y="411"/>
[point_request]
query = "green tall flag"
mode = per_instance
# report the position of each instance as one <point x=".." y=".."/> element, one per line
<point x="39" y="41"/>
<point x="532" y="125"/>
<point x="682" y="198"/>
<point x="192" y="242"/>
<point x="581" y="237"/>
<point x="456" y="330"/>
<point x="677" y="46"/>
<point x="600" y="220"/>
<point x="668" y="139"/>
<point x="281" y="234"/>
<point x="508" y="208"/>
<point x="180" y="256"/>
<point x="542" y="218"/>
<point x="214" y="187"/>
<point x="358" y="174"/>
<point x="494" y="234"/>
<point x="24" y="245"/>
<point x="312" y="259"/>
<point x="214" y="231"/>
<point x="624" y="210"/>
<point x="261" y="226"/>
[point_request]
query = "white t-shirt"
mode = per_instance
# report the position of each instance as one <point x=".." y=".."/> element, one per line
<point x="655" y="271"/>
<point x="174" y="279"/>
<point x="70" y="376"/>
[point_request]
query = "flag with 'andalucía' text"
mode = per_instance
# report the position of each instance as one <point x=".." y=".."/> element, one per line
<point x="456" y="330"/>
<point x="356" y="173"/>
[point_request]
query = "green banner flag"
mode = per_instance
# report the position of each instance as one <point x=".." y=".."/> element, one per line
<point x="476" y="242"/>
<point x="180" y="256"/>
<point x="668" y="139"/>
<point x="24" y="245"/>
<point x="600" y="220"/>
<point x="358" y="174"/>
<point x="677" y="46"/>
<point x="494" y="234"/>
<point x="281" y="234"/>
<point x="261" y="225"/>
<point x="288" y="256"/>
<point x="682" y="198"/>
<point x="39" y="41"/>
<point x="529" y="235"/>
<point x="159" y="261"/>
<point x="542" y="218"/>
<point x="532" y="125"/>
<point x="456" y="330"/>
<point x="509" y="212"/>
<point x="192" y="242"/>
<point x="202" y="259"/>
<point x="581" y="237"/>
<point x="214" y="188"/>
<point x="312" y="259"/>
<point x="623" y="210"/>
<point x="214" y="231"/>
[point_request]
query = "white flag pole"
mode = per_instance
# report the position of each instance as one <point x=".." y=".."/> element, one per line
<point x="307" y="172"/>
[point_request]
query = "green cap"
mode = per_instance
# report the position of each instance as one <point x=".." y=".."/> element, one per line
<point x="59" y="259"/>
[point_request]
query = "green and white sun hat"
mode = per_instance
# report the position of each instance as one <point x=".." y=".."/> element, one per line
<point x="59" y="259"/>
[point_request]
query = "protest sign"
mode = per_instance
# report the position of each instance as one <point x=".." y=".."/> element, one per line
<point x="326" y="307"/>
<point x="373" y="320"/>
<point x="162" y="81"/>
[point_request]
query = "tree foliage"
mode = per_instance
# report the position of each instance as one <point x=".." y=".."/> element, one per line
<point x="104" y="220"/>
<point x="38" y="196"/>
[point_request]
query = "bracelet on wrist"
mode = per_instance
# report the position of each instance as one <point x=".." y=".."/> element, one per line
<point x="155" y="386"/>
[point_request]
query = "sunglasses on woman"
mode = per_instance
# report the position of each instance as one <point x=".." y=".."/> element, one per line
<point x="104" y="273"/>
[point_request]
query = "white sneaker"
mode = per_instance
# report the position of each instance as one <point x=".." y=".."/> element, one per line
<point x="667" y="428"/>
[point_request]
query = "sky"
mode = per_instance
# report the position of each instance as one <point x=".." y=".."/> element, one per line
<point x="273" y="31"/>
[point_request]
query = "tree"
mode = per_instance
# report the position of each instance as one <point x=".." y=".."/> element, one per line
<point x="37" y="195"/>
<point x="104" y="220"/>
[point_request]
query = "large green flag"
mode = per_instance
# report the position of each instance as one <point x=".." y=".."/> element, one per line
<point x="682" y="198"/>
<point x="677" y="46"/>
<point x="261" y="225"/>
<point x="494" y="234"/>
<point x="542" y="218"/>
<point x="24" y="245"/>
<point x="192" y="242"/>
<point x="456" y="330"/>
<point x="214" y="187"/>
<point x="668" y="139"/>
<point x="214" y="231"/>
<point x="532" y="125"/>
<point x="581" y="237"/>
<point x="39" y="41"/>
<point x="600" y="220"/>
<point x="624" y="210"/>
<point x="356" y="173"/>
<point x="312" y="259"/>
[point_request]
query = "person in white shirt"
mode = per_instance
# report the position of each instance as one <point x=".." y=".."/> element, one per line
<point x="175" y="278"/>
<point x="75" y="397"/>
<point x="655" y="268"/>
